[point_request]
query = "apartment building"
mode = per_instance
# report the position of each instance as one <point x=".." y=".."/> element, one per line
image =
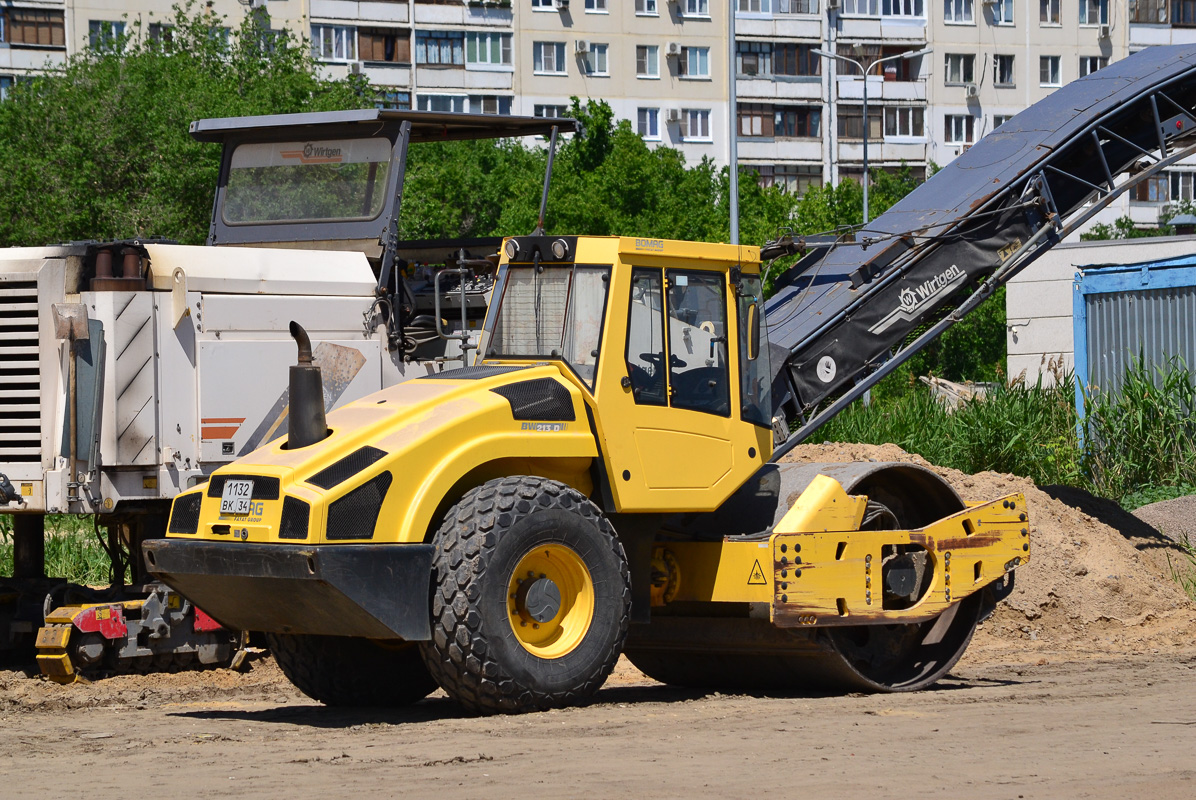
<point x="993" y="58"/>
<point x="33" y="36"/>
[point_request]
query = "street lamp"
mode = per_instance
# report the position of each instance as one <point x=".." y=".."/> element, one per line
<point x="864" y="71"/>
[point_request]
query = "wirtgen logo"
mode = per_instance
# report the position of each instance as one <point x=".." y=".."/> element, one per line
<point x="315" y="154"/>
<point x="911" y="299"/>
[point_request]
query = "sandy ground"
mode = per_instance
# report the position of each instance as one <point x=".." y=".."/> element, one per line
<point x="1082" y="685"/>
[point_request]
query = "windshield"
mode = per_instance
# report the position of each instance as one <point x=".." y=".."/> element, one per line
<point x="332" y="179"/>
<point x="550" y="312"/>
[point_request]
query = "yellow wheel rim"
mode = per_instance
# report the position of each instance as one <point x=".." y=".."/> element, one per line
<point x="550" y="600"/>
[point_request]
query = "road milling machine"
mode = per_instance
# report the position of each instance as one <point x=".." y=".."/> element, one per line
<point x="607" y="477"/>
<point x="130" y="370"/>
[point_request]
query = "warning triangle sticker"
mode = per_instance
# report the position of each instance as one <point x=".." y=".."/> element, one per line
<point x="757" y="577"/>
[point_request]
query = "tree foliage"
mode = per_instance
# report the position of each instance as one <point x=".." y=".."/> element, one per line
<point x="1124" y="227"/>
<point x="101" y="148"/>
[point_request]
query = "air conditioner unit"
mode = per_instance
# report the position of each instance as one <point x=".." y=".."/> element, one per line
<point x="972" y="90"/>
<point x="1103" y="32"/>
<point x="831" y="5"/>
<point x="673" y="49"/>
<point x="990" y="2"/>
<point x="673" y="115"/>
<point x="581" y="46"/>
<point x="561" y="5"/>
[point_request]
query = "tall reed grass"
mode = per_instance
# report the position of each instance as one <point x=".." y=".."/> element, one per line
<point x="72" y="550"/>
<point x="1136" y="444"/>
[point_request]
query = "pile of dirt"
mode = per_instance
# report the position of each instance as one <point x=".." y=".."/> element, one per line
<point x="259" y="679"/>
<point x="1098" y="581"/>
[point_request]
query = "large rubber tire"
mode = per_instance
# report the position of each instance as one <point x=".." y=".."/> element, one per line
<point x="352" y="672"/>
<point x="475" y="653"/>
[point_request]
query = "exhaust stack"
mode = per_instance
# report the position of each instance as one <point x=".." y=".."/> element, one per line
<point x="306" y="423"/>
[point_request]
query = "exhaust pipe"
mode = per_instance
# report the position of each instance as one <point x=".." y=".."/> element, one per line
<point x="306" y="423"/>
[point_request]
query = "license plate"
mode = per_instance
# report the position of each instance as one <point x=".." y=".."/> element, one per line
<point x="236" y="497"/>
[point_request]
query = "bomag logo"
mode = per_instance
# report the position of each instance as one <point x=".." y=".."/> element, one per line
<point x="652" y="245"/>
<point x="315" y="154"/>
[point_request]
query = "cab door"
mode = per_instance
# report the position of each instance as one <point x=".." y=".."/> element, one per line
<point x="673" y="437"/>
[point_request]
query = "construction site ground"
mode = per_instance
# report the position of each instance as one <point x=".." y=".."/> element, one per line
<point x="1082" y="685"/>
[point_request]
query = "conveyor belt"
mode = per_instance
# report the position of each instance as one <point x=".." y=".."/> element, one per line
<point x="868" y="305"/>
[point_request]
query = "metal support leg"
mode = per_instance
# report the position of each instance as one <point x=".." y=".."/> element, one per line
<point x="29" y="545"/>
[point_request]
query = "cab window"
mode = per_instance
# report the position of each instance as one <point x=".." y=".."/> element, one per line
<point x="755" y="377"/>
<point x="699" y="376"/>
<point x="645" y="338"/>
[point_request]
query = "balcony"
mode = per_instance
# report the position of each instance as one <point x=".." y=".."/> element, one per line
<point x="803" y="88"/>
<point x="752" y="148"/>
<point x="476" y="13"/>
<point x="431" y="77"/>
<point x="786" y="27"/>
<point x="381" y="73"/>
<point x="880" y="150"/>
<point x="852" y="88"/>
<point x="365" y="10"/>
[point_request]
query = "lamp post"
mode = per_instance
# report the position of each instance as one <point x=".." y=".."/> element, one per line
<point x="864" y="71"/>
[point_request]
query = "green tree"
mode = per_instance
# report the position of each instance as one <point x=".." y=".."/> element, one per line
<point x="100" y="149"/>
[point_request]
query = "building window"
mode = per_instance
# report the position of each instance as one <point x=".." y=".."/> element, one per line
<point x="548" y="58"/>
<point x="385" y="45"/>
<point x="695" y="124"/>
<point x="1048" y="12"/>
<point x="797" y="122"/>
<point x="1148" y="11"/>
<point x="795" y="6"/>
<point x="647" y="61"/>
<point x="1000" y="119"/>
<point x="489" y="104"/>
<point x="443" y="48"/>
<point x="753" y="59"/>
<point x="1048" y="71"/>
<point x="647" y="123"/>
<point x="960" y="128"/>
<point x="1003" y="70"/>
<point x="104" y="34"/>
<point x="645" y="7"/>
<point x="959" y="69"/>
<point x="902" y="8"/>
<point x="1154" y="189"/>
<point x="334" y="42"/>
<point x="697" y="8"/>
<point x="851" y="122"/>
<point x="796" y="59"/>
<point x="959" y="12"/>
<point x="454" y="103"/>
<point x="864" y="8"/>
<point x="548" y="111"/>
<point x="1181" y="185"/>
<point x="1183" y="12"/>
<point x="1090" y="64"/>
<point x="596" y="6"/>
<point x="1096" y="12"/>
<point x="1003" y="12"/>
<point x="754" y="119"/>
<point x="797" y="178"/>
<point x="904" y="121"/>
<point x="161" y="34"/>
<point x="694" y="62"/>
<point x="392" y="99"/>
<point x="6" y="84"/>
<point x="594" y="62"/>
<point x="546" y="4"/>
<point x="488" y="49"/>
<point x="753" y="7"/>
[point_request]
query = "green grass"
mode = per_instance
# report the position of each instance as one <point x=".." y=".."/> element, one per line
<point x="1183" y="568"/>
<point x="72" y="550"/>
<point x="1139" y="445"/>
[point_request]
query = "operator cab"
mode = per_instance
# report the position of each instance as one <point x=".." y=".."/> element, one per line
<point x="665" y="340"/>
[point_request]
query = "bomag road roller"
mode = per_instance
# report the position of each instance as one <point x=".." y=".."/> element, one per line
<point x="604" y="468"/>
<point x="608" y="475"/>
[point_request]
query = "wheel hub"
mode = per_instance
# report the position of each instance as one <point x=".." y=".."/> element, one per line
<point x="538" y="599"/>
<point x="550" y="600"/>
